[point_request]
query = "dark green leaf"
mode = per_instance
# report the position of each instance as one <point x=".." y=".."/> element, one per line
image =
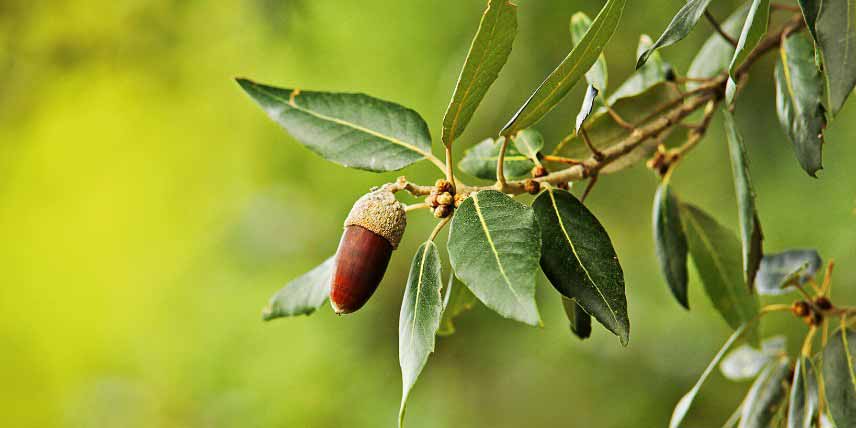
<point x="301" y="296"/>
<point x="654" y="71"/>
<point x="716" y="255"/>
<point x="528" y="142"/>
<point x="715" y="55"/>
<point x="566" y="75"/>
<point x="777" y="269"/>
<point x="480" y="161"/>
<point x="586" y="108"/>
<point x="767" y="394"/>
<point x="597" y="75"/>
<point x="420" y="317"/>
<point x="799" y="90"/>
<point x="803" y="400"/>
<point x="810" y="9"/>
<point x="686" y="401"/>
<point x="458" y="300"/>
<point x="494" y="247"/>
<point x="836" y="37"/>
<point x="753" y="31"/>
<point x="671" y="242"/>
<point x="488" y="54"/>
<point x="746" y="362"/>
<point x="750" y="227"/>
<point x="680" y="27"/>
<point x="839" y="377"/>
<point x="578" y="258"/>
<point x="354" y="130"/>
<point x="578" y="318"/>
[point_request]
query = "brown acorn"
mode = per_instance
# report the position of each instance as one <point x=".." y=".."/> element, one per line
<point x="373" y="230"/>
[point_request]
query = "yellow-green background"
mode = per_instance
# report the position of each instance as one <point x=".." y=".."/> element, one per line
<point x="148" y="209"/>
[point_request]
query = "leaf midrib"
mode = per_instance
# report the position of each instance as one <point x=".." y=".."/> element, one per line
<point x="493" y="248"/>
<point x="291" y="103"/>
<point x="419" y="290"/>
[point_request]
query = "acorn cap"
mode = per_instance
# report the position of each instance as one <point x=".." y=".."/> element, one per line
<point x="381" y="213"/>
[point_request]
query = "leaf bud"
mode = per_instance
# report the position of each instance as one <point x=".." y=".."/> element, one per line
<point x="445" y="198"/>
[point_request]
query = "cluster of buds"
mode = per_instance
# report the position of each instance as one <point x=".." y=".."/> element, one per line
<point x="812" y="312"/>
<point x="443" y="199"/>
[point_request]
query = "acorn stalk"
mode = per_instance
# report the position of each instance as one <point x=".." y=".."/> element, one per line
<point x="373" y="230"/>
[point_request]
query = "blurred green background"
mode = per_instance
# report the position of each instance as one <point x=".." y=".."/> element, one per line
<point x="148" y="209"/>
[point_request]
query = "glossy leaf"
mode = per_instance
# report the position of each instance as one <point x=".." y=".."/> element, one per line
<point x="715" y="55"/>
<point x="686" y="401"/>
<point x="803" y="399"/>
<point x="836" y="37"/>
<point x="746" y="361"/>
<point x="766" y="395"/>
<point x="488" y="53"/>
<point x="586" y="108"/>
<point x="458" y="299"/>
<point x="754" y="28"/>
<point x="777" y="269"/>
<point x="578" y="319"/>
<point x="578" y="258"/>
<point x="750" y="226"/>
<point x="494" y="247"/>
<point x="597" y="75"/>
<point x="654" y="71"/>
<point x="480" y="161"/>
<point x="419" y="318"/>
<point x="528" y="142"/>
<point x="565" y="76"/>
<point x="716" y="255"/>
<point x="301" y="296"/>
<point x="670" y="242"/>
<point x="353" y="130"/>
<point x="680" y="27"/>
<point x="839" y="377"/>
<point x="810" y="9"/>
<point x="799" y="90"/>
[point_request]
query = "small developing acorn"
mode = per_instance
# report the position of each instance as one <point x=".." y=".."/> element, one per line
<point x="823" y="303"/>
<point x="538" y="171"/>
<point x="373" y="230"/>
<point x="444" y="198"/>
<point x="443" y="186"/>
<point x="459" y="198"/>
<point x="442" y="211"/>
<point x="532" y="187"/>
<point x="801" y="308"/>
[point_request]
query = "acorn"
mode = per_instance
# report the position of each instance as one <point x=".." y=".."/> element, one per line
<point x="373" y="230"/>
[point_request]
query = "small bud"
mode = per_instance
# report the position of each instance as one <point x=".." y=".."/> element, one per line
<point x="442" y="211"/>
<point x="445" y="198"/>
<point x="563" y="185"/>
<point x="431" y="200"/>
<point x="532" y="187"/>
<point x="538" y="171"/>
<point x="815" y="319"/>
<point x="373" y="230"/>
<point x="823" y="303"/>
<point x="801" y="308"/>
<point x="443" y="186"/>
<point x="459" y="198"/>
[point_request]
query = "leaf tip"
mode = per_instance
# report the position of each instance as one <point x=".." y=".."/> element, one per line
<point x="643" y="58"/>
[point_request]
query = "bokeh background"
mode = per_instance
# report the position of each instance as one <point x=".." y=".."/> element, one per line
<point x="148" y="209"/>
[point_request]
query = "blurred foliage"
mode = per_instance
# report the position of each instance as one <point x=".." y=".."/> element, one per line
<point x="148" y="210"/>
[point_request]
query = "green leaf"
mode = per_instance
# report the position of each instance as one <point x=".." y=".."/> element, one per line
<point x="778" y="269"/>
<point x="799" y="90"/>
<point x="746" y="362"/>
<point x="654" y="71"/>
<point x="671" y="242"/>
<point x="480" y="161"/>
<point x="597" y="75"/>
<point x="566" y="75"/>
<point x="686" y="401"/>
<point x="715" y="55"/>
<point x="802" y="407"/>
<point x="528" y="142"/>
<point x="753" y="31"/>
<point x="420" y="317"/>
<point x="836" y="37"/>
<point x="586" y="108"/>
<point x="605" y="132"/>
<point x="494" y="247"/>
<point x="839" y="377"/>
<point x="488" y="54"/>
<point x="458" y="300"/>
<point x="716" y="255"/>
<point x="303" y="295"/>
<point x="578" y="318"/>
<point x="750" y="226"/>
<point x="578" y="258"/>
<point x="353" y="130"/>
<point x="766" y="395"/>
<point x="810" y="9"/>
<point x="680" y="27"/>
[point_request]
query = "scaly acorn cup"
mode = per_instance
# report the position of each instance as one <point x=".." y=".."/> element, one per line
<point x="372" y="230"/>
